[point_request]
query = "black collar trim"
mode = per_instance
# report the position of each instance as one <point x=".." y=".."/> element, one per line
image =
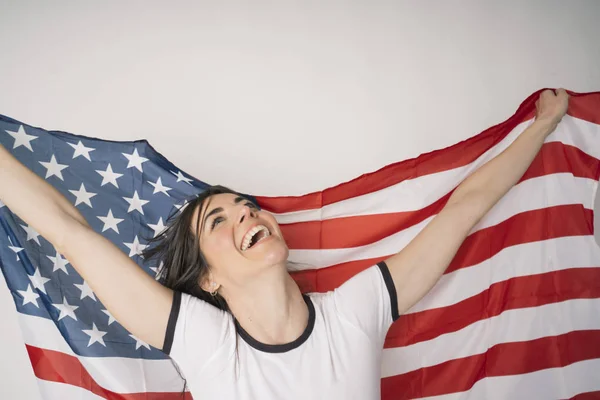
<point x="281" y="348"/>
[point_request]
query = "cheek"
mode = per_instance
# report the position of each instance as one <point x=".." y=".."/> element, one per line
<point x="271" y="219"/>
<point x="218" y="247"/>
<point x="221" y="240"/>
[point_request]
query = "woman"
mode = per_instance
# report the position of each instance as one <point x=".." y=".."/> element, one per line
<point x="230" y="314"/>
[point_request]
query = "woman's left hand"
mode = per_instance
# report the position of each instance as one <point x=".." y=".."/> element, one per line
<point x="552" y="106"/>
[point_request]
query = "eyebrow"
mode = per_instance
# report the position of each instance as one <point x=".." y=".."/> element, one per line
<point x="217" y="210"/>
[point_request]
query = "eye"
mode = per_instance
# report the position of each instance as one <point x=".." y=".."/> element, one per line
<point x="252" y="205"/>
<point x="216" y="221"/>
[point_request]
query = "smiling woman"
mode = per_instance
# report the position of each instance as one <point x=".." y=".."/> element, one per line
<point x="227" y="263"/>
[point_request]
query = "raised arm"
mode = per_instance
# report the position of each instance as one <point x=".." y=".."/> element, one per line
<point x="134" y="298"/>
<point x="422" y="262"/>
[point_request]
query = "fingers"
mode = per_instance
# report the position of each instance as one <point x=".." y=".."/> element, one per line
<point x="546" y="93"/>
<point x="562" y="93"/>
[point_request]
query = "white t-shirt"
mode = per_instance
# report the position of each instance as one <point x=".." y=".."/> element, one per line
<point x="338" y="356"/>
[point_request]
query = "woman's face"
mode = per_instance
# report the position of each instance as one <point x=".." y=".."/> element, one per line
<point x="239" y="241"/>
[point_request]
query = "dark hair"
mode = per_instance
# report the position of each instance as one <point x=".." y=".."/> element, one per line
<point x="177" y="247"/>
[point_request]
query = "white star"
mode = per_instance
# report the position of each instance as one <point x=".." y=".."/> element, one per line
<point x="31" y="234"/>
<point x="54" y="168"/>
<point x="180" y="177"/>
<point x="86" y="291"/>
<point x="111" y="319"/>
<point x="21" y="138"/>
<point x="135" y="203"/>
<point x="66" y="310"/>
<point x="29" y="296"/>
<point x="157" y="270"/>
<point x="135" y="160"/>
<point x="135" y="247"/>
<point x="59" y="263"/>
<point x="110" y="222"/>
<point x="17" y="250"/>
<point x="158" y="227"/>
<point x="81" y="150"/>
<point x="82" y="196"/>
<point x="95" y="335"/>
<point x="139" y="343"/>
<point x="158" y="187"/>
<point x="109" y="176"/>
<point x="38" y="280"/>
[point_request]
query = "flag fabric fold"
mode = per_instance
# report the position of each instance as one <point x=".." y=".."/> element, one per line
<point x="514" y="316"/>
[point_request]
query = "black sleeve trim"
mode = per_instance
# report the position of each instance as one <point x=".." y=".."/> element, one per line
<point x="172" y="322"/>
<point x="389" y="283"/>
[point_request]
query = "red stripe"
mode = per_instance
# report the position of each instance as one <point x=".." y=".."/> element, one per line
<point x="557" y="157"/>
<point x="514" y="293"/>
<point x="585" y="106"/>
<point x="325" y="279"/>
<point x="355" y="231"/>
<point x="350" y="232"/>
<point x="587" y="396"/>
<point x="582" y="106"/>
<point x="58" y="367"/>
<point x="500" y="360"/>
<point x="527" y="227"/>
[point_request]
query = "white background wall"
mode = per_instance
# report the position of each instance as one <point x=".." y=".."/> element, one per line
<point x="261" y="96"/>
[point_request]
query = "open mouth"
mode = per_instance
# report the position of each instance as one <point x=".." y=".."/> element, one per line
<point x="255" y="235"/>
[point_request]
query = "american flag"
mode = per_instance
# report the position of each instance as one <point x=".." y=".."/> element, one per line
<point x="516" y="315"/>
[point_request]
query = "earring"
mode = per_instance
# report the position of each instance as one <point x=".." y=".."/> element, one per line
<point x="214" y="292"/>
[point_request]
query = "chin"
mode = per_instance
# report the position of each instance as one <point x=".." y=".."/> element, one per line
<point x="277" y="253"/>
<point x="272" y="252"/>
<point x="273" y="259"/>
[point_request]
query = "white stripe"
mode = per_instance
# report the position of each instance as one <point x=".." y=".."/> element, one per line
<point x="541" y="192"/>
<point x="511" y="326"/>
<point x="409" y="195"/>
<point x="118" y="374"/>
<point x="515" y="261"/>
<point x="552" y="383"/>
<point x="61" y="391"/>
<point x="578" y="133"/>
<point x="532" y="194"/>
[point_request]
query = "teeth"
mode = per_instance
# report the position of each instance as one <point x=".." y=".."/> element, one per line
<point x="251" y="233"/>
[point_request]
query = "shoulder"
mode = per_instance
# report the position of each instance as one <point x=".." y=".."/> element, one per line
<point x="192" y="317"/>
<point x="367" y="301"/>
<point x="374" y="279"/>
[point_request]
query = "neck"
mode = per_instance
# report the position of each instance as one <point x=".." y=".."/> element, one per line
<point x="271" y="309"/>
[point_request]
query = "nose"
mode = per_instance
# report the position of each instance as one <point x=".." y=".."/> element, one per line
<point x="245" y="212"/>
